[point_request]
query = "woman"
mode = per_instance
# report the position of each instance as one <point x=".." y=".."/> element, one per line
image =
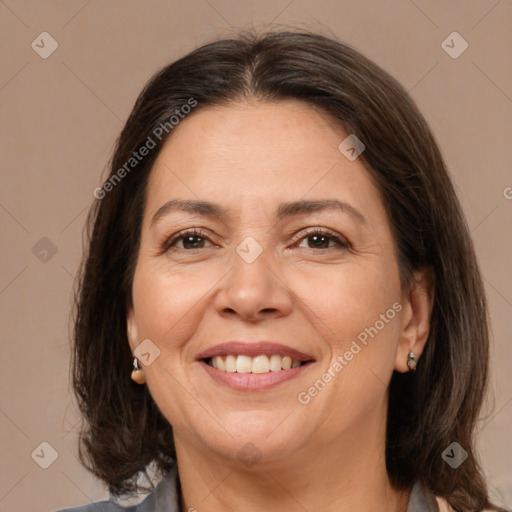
<point x="280" y="260"/>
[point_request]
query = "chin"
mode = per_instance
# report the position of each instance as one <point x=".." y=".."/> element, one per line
<point x="255" y="441"/>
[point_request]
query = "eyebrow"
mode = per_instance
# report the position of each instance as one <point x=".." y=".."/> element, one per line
<point x="288" y="209"/>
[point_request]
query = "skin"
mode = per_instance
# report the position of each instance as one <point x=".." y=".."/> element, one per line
<point x="328" y="454"/>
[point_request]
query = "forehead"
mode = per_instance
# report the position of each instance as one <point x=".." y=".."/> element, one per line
<point x="250" y="154"/>
<point x="241" y="130"/>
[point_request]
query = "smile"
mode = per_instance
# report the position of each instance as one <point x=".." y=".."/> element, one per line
<point x="250" y="381"/>
<point x="259" y="364"/>
<point x="254" y="365"/>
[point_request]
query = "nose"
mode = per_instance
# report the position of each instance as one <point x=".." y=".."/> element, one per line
<point x="254" y="290"/>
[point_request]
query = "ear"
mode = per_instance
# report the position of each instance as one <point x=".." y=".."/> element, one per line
<point x="417" y="303"/>
<point x="131" y="329"/>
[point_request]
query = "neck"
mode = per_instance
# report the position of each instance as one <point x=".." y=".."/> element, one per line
<point x="349" y="475"/>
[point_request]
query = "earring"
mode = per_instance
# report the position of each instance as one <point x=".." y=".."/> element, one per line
<point x="411" y="361"/>
<point x="137" y="374"/>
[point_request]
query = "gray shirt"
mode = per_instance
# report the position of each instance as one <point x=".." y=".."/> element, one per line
<point x="164" y="498"/>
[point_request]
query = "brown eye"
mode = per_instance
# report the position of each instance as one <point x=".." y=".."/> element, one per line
<point x="190" y="239"/>
<point x="321" y="238"/>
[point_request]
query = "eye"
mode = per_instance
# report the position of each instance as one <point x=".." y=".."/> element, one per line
<point x="191" y="239"/>
<point x="321" y="237"/>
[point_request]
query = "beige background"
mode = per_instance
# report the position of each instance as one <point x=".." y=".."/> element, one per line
<point x="59" y="120"/>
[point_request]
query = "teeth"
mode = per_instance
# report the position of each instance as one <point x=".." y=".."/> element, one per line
<point x="243" y="364"/>
<point x="221" y="364"/>
<point x="230" y="364"/>
<point x="258" y="364"/>
<point x="275" y="363"/>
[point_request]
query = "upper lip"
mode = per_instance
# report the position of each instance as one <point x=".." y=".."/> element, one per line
<point x="253" y="349"/>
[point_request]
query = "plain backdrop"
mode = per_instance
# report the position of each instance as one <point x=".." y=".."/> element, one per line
<point x="60" y="116"/>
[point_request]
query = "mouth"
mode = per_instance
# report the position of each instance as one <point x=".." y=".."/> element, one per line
<point x="253" y="366"/>
<point x="263" y="363"/>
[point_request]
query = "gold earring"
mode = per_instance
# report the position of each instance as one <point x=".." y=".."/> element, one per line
<point x="137" y="373"/>
<point x="411" y="361"/>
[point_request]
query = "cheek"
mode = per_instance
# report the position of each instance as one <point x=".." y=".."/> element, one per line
<point x="167" y="311"/>
<point x="359" y="312"/>
<point x="161" y="297"/>
<point x="344" y="300"/>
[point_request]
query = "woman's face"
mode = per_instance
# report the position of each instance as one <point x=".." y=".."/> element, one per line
<point x="262" y="274"/>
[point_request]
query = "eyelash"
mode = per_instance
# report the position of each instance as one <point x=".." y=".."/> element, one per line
<point x="342" y="243"/>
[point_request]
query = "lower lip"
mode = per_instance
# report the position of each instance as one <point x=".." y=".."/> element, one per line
<point x="254" y="381"/>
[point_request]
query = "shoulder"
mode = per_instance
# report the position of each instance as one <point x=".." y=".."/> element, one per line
<point x="422" y="499"/>
<point x="164" y="498"/>
<point x="99" y="506"/>
<point x="443" y="505"/>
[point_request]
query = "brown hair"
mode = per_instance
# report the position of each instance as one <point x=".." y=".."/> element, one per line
<point x="124" y="430"/>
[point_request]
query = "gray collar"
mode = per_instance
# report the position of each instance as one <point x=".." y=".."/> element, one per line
<point x="421" y="500"/>
<point x="165" y="498"/>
